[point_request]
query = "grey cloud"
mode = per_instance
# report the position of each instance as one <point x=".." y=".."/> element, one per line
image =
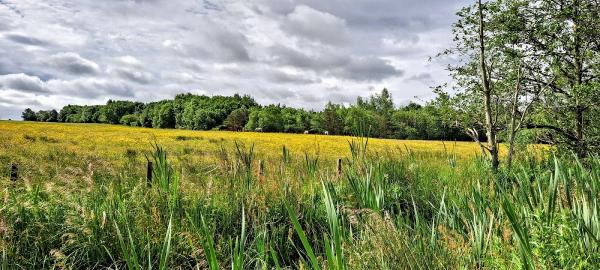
<point x="133" y="75"/>
<point x="370" y="21"/>
<point x="288" y="56"/>
<point x="4" y="69"/>
<point x="10" y="7"/>
<point x="146" y="1"/>
<point x="131" y="69"/>
<point x="181" y="77"/>
<point x="20" y="100"/>
<point x="211" y="6"/>
<point x="24" y="39"/>
<point x="192" y="65"/>
<point x="205" y="8"/>
<point x="421" y="77"/>
<point x="232" y="46"/>
<point x="309" y="98"/>
<point x="32" y="66"/>
<point x="73" y="63"/>
<point x="337" y="64"/>
<point x="318" y="61"/>
<point x="276" y="95"/>
<point x="91" y="88"/>
<point x="368" y="69"/>
<point x="23" y="82"/>
<point x="3" y="26"/>
<point x="309" y="23"/>
<point x="212" y="43"/>
<point x="396" y="23"/>
<point x="378" y="13"/>
<point x="284" y="77"/>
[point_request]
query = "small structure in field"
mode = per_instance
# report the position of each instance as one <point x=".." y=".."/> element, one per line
<point x="14" y="172"/>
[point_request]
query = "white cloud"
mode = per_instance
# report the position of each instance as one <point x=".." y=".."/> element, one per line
<point x="129" y="61"/>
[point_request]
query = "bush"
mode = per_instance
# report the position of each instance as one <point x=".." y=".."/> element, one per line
<point x="130" y="120"/>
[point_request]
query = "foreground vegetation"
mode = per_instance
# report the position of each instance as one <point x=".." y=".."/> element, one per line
<point x="78" y="207"/>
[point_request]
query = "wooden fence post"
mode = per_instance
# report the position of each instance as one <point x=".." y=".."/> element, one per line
<point x="261" y="171"/>
<point x="339" y="167"/>
<point x="149" y="173"/>
<point x="14" y="172"/>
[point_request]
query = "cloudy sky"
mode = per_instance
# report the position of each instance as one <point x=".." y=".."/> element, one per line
<point x="299" y="53"/>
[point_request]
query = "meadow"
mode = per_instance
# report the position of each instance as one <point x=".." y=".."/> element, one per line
<point x="244" y="200"/>
<point x="113" y="140"/>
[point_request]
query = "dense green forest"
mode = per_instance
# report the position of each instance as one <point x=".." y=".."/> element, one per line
<point x="376" y="115"/>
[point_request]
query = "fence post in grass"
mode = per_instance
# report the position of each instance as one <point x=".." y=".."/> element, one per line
<point x="14" y="172"/>
<point x="149" y="173"/>
<point x="339" y="167"/>
<point x="261" y="171"/>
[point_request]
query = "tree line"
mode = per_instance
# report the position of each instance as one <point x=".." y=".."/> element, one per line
<point x="375" y="116"/>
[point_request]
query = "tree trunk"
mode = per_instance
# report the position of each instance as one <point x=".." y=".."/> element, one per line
<point x="514" y="127"/>
<point x="581" y="147"/>
<point x="491" y="134"/>
<point x="487" y="95"/>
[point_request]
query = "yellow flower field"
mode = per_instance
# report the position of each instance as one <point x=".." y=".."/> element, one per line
<point x="49" y="152"/>
<point x="113" y="141"/>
